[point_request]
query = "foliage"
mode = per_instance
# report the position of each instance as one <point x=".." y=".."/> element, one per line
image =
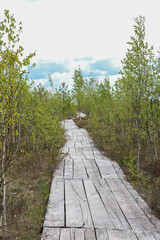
<point x="30" y="138"/>
<point x="124" y="120"/>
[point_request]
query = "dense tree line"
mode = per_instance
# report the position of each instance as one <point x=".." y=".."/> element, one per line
<point x="125" y="118"/>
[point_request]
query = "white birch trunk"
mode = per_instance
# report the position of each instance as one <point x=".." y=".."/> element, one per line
<point x="139" y="146"/>
<point x="4" y="183"/>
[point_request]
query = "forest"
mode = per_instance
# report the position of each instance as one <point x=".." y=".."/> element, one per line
<point x="123" y="120"/>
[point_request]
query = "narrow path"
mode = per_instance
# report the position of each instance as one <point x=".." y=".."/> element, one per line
<point x="90" y="198"/>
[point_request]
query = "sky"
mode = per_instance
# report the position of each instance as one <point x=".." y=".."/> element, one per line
<point x="91" y="34"/>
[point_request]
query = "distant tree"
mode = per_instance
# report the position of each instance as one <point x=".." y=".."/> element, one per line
<point x="78" y="88"/>
<point x="66" y="99"/>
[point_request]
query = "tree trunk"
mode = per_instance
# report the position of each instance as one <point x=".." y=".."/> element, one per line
<point x="138" y="144"/>
<point x="4" y="182"/>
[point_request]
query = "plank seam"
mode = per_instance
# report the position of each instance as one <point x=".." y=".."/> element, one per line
<point x="88" y="203"/>
<point x="119" y="206"/>
<point x="145" y="213"/>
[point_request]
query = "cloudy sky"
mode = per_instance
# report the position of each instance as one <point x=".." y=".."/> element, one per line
<point x="91" y="34"/>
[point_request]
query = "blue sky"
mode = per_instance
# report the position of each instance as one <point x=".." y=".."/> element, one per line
<point x="86" y="33"/>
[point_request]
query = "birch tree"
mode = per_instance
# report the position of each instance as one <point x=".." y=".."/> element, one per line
<point x="13" y="77"/>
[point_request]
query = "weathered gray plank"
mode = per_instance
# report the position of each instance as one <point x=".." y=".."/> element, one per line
<point x="88" y="152"/>
<point x="124" y="196"/>
<point x="65" y="234"/>
<point x="89" y="234"/>
<point x="71" y="143"/>
<point x="68" y="167"/>
<point x="79" y="152"/>
<point x="145" y="235"/>
<point x="157" y="235"/>
<point x="55" y="209"/>
<point x="131" y="209"/>
<point x="79" y="169"/>
<point x="106" y="169"/>
<point x="97" y="154"/>
<point x="50" y="233"/>
<point x="113" y="209"/>
<point x="116" y="185"/>
<point x="79" y="234"/>
<point x="155" y="221"/>
<point x="59" y="171"/>
<point x="121" y="235"/>
<point x="72" y="152"/>
<point x="92" y="169"/>
<point x="78" y="144"/>
<point x="102" y="234"/>
<point x="136" y="217"/>
<point x="86" y="143"/>
<point x="99" y="214"/>
<point x="77" y="210"/>
<point x="118" y="170"/>
<point x="141" y="223"/>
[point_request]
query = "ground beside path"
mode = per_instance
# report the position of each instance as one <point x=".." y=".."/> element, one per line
<point x="90" y="198"/>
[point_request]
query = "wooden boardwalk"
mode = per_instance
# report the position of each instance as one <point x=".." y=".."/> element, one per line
<point x="90" y="198"/>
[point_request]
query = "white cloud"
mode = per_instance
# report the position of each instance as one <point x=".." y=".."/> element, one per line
<point x="64" y="30"/>
<point x="59" y="78"/>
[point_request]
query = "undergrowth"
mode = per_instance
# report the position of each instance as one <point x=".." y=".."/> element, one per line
<point x="29" y="193"/>
<point x="145" y="180"/>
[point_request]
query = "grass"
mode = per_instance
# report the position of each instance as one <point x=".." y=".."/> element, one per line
<point x="29" y="194"/>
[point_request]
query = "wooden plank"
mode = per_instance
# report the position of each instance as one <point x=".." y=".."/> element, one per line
<point x="55" y="209"/>
<point x="97" y="154"/>
<point x="123" y="196"/>
<point x="71" y="143"/>
<point x="141" y="223"/>
<point x="136" y="217"/>
<point x="92" y="169"/>
<point x="118" y="170"/>
<point x="131" y="209"/>
<point x="89" y="234"/>
<point x="157" y="235"/>
<point x="102" y="234"/>
<point x="68" y="167"/>
<point x="86" y="143"/>
<point x="155" y="221"/>
<point x="113" y="209"/>
<point x="79" y="152"/>
<point x="106" y="169"/>
<point x="79" y="234"/>
<point x="78" y="144"/>
<point x="59" y="170"/>
<point x="50" y="233"/>
<point x="79" y="169"/>
<point x="99" y="214"/>
<point x="121" y="235"/>
<point x="72" y="152"/>
<point x="66" y="234"/>
<point x="145" y="235"/>
<point x="88" y="152"/>
<point x="116" y="185"/>
<point x="77" y="210"/>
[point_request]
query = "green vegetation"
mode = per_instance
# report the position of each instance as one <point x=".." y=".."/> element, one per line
<point x="30" y="137"/>
<point x="124" y="120"/>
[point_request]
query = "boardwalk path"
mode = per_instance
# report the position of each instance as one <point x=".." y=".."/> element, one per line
<point x="91" y="200"/>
